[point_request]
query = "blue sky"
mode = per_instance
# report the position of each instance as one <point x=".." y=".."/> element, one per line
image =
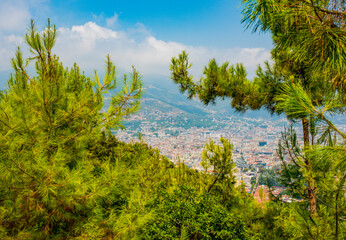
<point x="215" y="23"/>
<point x="141" y="33"/>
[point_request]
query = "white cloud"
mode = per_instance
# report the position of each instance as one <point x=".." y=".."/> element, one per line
<point x="14" y="39"/>
<point x="88" y="45"/>
<point x="14" y="15"/>
<point x="86" y="36"/>
<point x="111" y="22"/>
<point x="8" y="46"/>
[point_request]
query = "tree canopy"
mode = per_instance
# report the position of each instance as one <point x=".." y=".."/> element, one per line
<point x="306" y="82"/>
<point x="64" y="176"/>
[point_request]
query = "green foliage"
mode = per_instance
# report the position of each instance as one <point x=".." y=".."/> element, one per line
<point x="309" y="50"/>
<point x="219" y="159"/>
<point x="185" y="212"/>
<point x="157" y="200"/>
<point x="306" y="82"/>
<point x="48" y="184"/>
<point x="63" y="176"/>
<point x="297" y="103"/>
<point x="268" y="177"/>
<point x="315" y="30"/>
<point x="328" y="172"/>
<point x="225" y="81"/>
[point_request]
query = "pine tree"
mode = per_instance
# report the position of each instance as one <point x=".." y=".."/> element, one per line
<point x="47" y="182"/>
<point x="326" y="158"/>
<point x="306" y="80"/>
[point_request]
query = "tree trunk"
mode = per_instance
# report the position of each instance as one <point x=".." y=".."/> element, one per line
<point x="311" y="185"/>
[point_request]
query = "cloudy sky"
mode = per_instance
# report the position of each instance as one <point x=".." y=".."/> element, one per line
<point x="146" y="34"/>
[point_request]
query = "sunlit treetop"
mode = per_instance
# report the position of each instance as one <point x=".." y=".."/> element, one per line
<point x="314" y="31"/>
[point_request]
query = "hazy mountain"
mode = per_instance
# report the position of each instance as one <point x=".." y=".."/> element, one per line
<point x="163" y="89"/>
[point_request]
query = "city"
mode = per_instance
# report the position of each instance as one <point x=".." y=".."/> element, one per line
<point x="180" y="136"/>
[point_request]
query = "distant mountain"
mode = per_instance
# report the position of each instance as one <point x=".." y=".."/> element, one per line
<point x="164" y="90"/>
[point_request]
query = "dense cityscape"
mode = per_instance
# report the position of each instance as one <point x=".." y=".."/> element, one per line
<point x="181" y="136"/>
